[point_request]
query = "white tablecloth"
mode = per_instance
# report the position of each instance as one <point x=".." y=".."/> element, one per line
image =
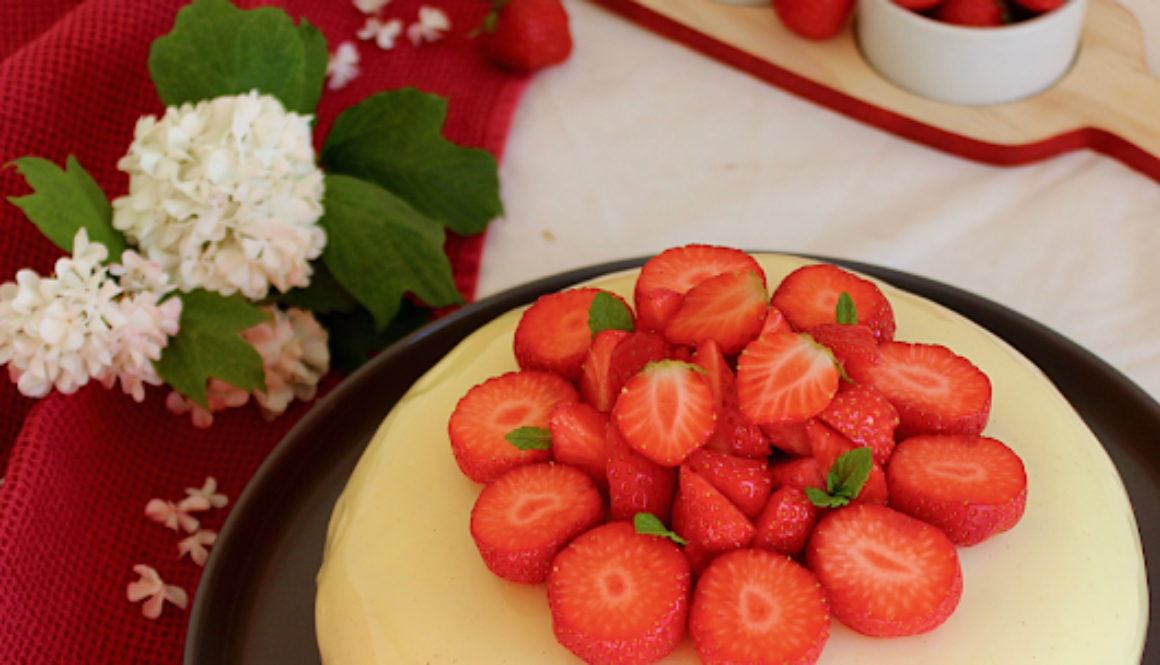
<point x="637" y="144"/>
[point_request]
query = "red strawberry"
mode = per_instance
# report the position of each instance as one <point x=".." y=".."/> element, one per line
<point x="656" y="308"/>
<point x="526" y="35"/>
<point x="808" y="297"/>
<point x="704" y="517"/>
<point x="619" y="597"/>
<point x="934" y="390"/>
<point x="578" y="433"/>
<point x="800" y="473"/>
<point x="885" y="574"/>
<point x="866" y="417"/>
<point x="666" y="411"/>
<point x="814" y="19"/>
<point x="526" y="516"/>
<point x="974" y="13"/>
<point x="786" y="521"/>
<point x="735" y="435"/>
<point x="728" y="308"/>
<point x="681" y="268"/>
<point x="717" y="372"/>
<point x="971" y="487"/>
<point x="743" y="481"/>
<point x="790" y="437"/>
<point x="785" y="377"/>
<point x="917" y="5"/>
<point x="775" y="322"/>
<point x="553" y="334"/>
<point x="1039" y="6"/>
<point x="854" y="346"/>
<point x="755" y="606"/>
<point x="596" y="372"/>
<point x="633" y="354"/>
<point x="828" y="446"/>
<point x="636" y="484"/>
<point x="492" y="410"/>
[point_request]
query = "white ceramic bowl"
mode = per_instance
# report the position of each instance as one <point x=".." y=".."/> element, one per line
<point x="969" y="66"/>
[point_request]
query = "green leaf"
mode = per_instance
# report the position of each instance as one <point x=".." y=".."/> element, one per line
<point x="846" y="312"/>
<point x="608" y="313"/>
<point x="323" y="295"/>
<point x="353" y="337"/>
<point x="209" y="346"/>
<point x="394" y="139"/>
<point x="823" y="500"/>
<point x="845" y="479"/>
<point x="216" y="49"/>
<point x="530" y="438"/>
<point x="651" y="525"/>
<point x="66" y="201"/>
<point x="379" y="248"/>
<point x="317" y="57"/>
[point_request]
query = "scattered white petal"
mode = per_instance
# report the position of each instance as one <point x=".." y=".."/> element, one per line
<point x="196" y="546"/>
<point x="430" y="27"/>
<point x="384" y="34"/>
<point x="343" y="66"/>
<point x="150" y="588"/>
<point x="208" y="491"/>
<point x="172" y="515"/>
<point x="371" y="6"/>
<point x="220" y="396"/>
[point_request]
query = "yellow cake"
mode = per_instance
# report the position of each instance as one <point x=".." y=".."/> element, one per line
<point x="402" y="583"/>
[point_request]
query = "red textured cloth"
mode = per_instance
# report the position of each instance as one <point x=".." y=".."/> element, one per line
<point x="83" y="467"/>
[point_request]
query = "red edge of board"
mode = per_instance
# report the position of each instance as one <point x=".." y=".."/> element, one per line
<point x="991" y="153"/>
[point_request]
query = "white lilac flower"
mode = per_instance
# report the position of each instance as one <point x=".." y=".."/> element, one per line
<point x="371" y="6"/>
<point x="295" y="354"/>
<point x="225" y="195"/>
<point x="384" y="34"/>
<point x="136" y="274"/>
<point x="147" y="330"/>
<point x="343" y="66"/>
<point x="430" y="27"/>
<point x="150" y="587"/>
<point x="208" y="492"/>
<point x="219" y="395"/>
<point x="196" y="546"/>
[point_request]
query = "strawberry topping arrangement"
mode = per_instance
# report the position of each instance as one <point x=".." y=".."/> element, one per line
<point x="731" y="461"/>
<point x="822" y="19"/>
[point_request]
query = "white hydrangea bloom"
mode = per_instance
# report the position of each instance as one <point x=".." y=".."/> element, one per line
<point x="225" y="195"/>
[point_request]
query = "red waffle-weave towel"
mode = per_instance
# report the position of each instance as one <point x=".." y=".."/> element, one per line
<point x="83" y="467"/>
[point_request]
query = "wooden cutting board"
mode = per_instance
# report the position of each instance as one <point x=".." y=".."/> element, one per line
<point x="1109" y="101"/>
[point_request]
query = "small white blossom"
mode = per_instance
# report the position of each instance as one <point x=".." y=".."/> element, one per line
<point x="343" y="66"/>
<point x="196" y="546"/>
<point x="150" y="586"/>
<point x="430" y="27"/>
<point x="208" y="491"/>
<point x="384" y="34"/>
<point x="220" y="396"/>
<point x="295" y="354"/>
<point x="136" y="274"/>
<point x="225" y="195"/>
<point x="371" y="6"/>
<point x="174" y="515"/>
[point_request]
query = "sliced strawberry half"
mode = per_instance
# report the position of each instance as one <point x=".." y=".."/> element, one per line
<point x="636" y="484"/>
<point x="828" y="446"/>
<point x="596" y="385"/>
<point x="854" y="346"/>
<point x="801" y="473"/>
<point x="971" y="487"/>
<point x="492" y="410"/>
<point x="785" y="377"/>
<point x="808" y="297"/>
<point x="617" y="596"/>
<point x="707" y="520"/>
<point x="934" y="390"/>
<point x="720" y="376"/>
<point x="737" y="436"/>
<point x="666" y="411"/>
<point x="728" y="308"/>
<point x="786" y="521"/>
<point x="681" y="268"/>
<point x="578" y="433"/>
<point x="790" y="437"/>
<point x="775" y="322"/>
<point x="745" y="482"/>
<point x="755" y="606"/>
<point x="656" y="308"/>
<point x="864" y="415"/>
<point x="553" y="334"/>
<point x="633" y="354"/>
<point x="886" y="574"/>
<point x="526" y="516"/>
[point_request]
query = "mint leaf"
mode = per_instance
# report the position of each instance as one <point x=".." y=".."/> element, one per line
<point x="530" y="438"/>
<point x="216" y="49"/>
<point x="317" y="56"/>
<point x="66" y="201"/>
<point x="209" y="346"/>
<point x="323" y="295"/>
<point x="608" y="313"/>
<point x="651" y="525"/>
<point x="379" y="248"/>
<point x="824" y="500"/>
<point x="846" y="312"/>
<point x="394" y="139"/>
<point x="353" y="337"/>
<point x="845" y="479"/>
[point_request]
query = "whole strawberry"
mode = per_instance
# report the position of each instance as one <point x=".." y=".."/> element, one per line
<point x="974" y="13"/>
<point x="813" y="19"/>
<point x="526" y="35"/>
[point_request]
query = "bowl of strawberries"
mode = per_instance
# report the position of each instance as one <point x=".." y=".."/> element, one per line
<point x="971" y="52"/>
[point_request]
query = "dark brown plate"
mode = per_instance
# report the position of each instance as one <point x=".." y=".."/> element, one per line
<point x="255" y="603"/>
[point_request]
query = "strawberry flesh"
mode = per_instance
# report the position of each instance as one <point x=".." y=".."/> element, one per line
<point x="786" y="521"/>
<point x="553" y="334"/>
<point x="704" y="517"/>
<point x="656" y="308"/>
<point x="828" y="446"/>
<point x="801" y="473"/>
<point x="636" y="484"/>
<point x="666" y="412"/>
<point x="785" y="377"/>
<point x="790" y="437"/>
<point x="578" y="432"/>
<point x="745" y="482"/>
<point x="729" y="309"/>
<point x="596" y="385"/>
<point x="854" y="346"/>
<point x="681" y="268"/>
<point x="866" y="417"/>
<point x="808" y="297"/>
